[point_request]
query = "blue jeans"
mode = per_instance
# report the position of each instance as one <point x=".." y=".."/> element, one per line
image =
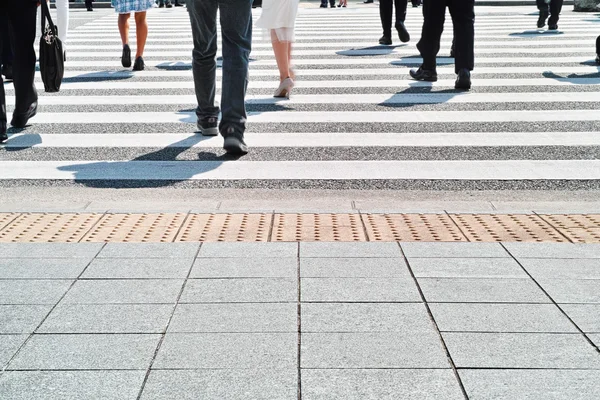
<point x="236" y="28"/>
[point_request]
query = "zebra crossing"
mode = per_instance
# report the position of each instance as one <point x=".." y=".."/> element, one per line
<point x="355" y="119"/>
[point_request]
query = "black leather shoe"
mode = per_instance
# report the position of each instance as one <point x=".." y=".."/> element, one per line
<point x="368" y="1"/>
<point x="423" y="75"/>
<point x="463" y="81"/>
<point x="234" y="142"/>
<point x="542" y="18"/>
<point x="139" y="64"/>
<point x="402" y="32"/>
<point x="386" y="41"/>
<point x="126" y="56"/>
<point x="20" y="120"/>
<point x="3" y="135"/>
<point x="553" y="27"/>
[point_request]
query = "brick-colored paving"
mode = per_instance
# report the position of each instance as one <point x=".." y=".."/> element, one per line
<point x="277" y="227"/>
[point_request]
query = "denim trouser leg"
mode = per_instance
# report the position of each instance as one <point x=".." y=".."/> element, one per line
<point x="236" y="29"/>
<point x="203" y="17"/>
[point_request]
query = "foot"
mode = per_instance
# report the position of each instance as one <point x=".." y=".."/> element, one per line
<point x="234" y="142"/>
<point x="402" y="32"/>
<point x="161" y="5"/>
<point x="126" y="56"/>
<point x="284" y="89"/>
<point x="19" y="120"/>
<point x="169" y="5"/>
<point x="385" y="40"/>
<point x="323" y="5"/>
<point x="7" y="71"/>
<point x="542" y="18"/>
<point x="424" y="74"/>
<point x="178" y="5"/>
<point x="553" y="27"/>
<point x="208" y="126"/>
<point x="368" y="1"/>
<point x="139" y="64"/>
<point x="3" y="135"/>
<point x="463" y="81"/>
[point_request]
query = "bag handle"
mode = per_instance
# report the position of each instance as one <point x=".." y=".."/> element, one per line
<point x="46" y="16"/>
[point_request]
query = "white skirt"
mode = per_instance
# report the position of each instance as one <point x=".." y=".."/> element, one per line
<point x="278" y="16"/>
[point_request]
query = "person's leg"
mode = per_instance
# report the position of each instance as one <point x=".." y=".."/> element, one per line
<point x="463" y="19"/>
<point x="282" y="56"/>
<point x="203" y="18"/>
<point x="7" y="51"/>
<point x="400" y="10"/>
<point x="598" y="45"/>
<point x="385" y="13"/>
<point x="62" y="11"/>
<point x="236" y="29"/>
<point x="555" y="9"/>
<point x="434" y="12"/>
<point x="544" y="12"/>
<point x="141" y="26"/>
<point x="124" y="28"/>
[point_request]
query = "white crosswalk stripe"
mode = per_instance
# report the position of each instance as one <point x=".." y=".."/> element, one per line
<point x="355" y="119"/>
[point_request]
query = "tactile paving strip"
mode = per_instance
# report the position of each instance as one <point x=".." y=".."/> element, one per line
<point x="226" y="228"/>
<point x="506" y="228"/>
<point x="577" y="228"/>
<point x="267" y="227"/>
<point x="318" y="228"/>
<point x="136" y="228"/>
<point x="49" y="227"/>
<point x="412" y="228"/>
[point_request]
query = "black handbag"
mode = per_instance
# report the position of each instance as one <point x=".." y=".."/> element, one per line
<point x="52" y="62"/>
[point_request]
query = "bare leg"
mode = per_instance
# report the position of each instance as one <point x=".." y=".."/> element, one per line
<point x="282" y="56"/>
<point x="124" y="28"/>
<point x="141" y="25"/>
<point x="291" y="70"/>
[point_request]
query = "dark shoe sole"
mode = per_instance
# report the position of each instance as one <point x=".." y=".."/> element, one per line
<point x="425" y="79"/>
<point x="462" y="85"/>
<point x="126" y="57"/>
<point x="403" y="33"/>
<point x="385" y="42"/>
<point x="553" y="27"/>
<point x="235" y="146"/>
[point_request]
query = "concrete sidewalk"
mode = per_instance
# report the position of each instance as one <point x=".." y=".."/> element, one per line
<point x="300" y="321"/>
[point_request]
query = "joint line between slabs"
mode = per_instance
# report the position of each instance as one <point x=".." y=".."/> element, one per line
<point x="299" y="323"/>
<point x="540" y="216"/>
<point x="164" y="333"/>
<point x="596" y="347"/>
<point x="457" y="226"/>
<point x="435" y="324"/>
<point x="185" y="220"/>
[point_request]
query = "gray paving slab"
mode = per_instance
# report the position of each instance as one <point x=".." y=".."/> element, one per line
<point x="107" y="318"/>
<point x="373" y="350"/>
<point x="353" y="268"/>
<point x="596" y="339"/>
<point x="380" y="317"/>
<point x="453" y="250"/>
<point x="541" y="384"/>
<point x="476" y="290"/>
<point x="86" y="352"/>
<point x="245" y="268"/>
<point x="32" y="291"/>
<point x="249" y="250"/>
<point x="470" y="317"/>
<point x="228" y="351"/>
<point x="42" y="268"/>
<point x="521" y="350"/>
<point x="586" y="316"/>
<point x="553" y="250"/>
<point x="22" y="318"/>
<point x="241" y="317"/>
<point x="380" y="384"/>
<point x="466" y="268"/>
<point x="359" y="289"/>
<point x="9" y="344"/>
<point x="149" y="250"/>
<point x="124" y="291"/>
<point x="50" y="250"/>
<point x="541" y="268"/>
<point x="572" y="290"/>
<point x="349" y="249"/>
<point x="259" y="384"/>
<point x="249" y="290"/>
<point x="71" y="385"/>
<point x="142" y="268"/>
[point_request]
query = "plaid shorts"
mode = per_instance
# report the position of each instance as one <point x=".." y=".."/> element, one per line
<point x="129" y="6"/>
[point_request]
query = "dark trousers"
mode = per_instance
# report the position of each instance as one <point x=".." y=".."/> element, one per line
<point x="88" y="3"/>
<point x="21" y="15"/>
<point x="553" y="8"/>
<point x="386" y="9"/>
<point x="6" y="56"/>
<point x="598" y="45"/>
<point x="463" y="19"/>
<point x="324" y="2"/>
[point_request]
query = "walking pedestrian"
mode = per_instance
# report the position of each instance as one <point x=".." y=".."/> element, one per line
<point x="386" y="8"/>
<point x="88" y="5"/>
<point x="139" y="8"/>
<point x="7" y="53"/>
<point x="549" y="8"/>
<point x="21" y="17"/>
<point x="343" y="3"/>
<point x="278" y="19"/>
<point x="463" y="19"/>
<point x="236" y="30"/>
<point x="324" y="3"/>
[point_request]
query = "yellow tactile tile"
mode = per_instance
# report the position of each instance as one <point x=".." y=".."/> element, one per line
<point x="41" y="227"/>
